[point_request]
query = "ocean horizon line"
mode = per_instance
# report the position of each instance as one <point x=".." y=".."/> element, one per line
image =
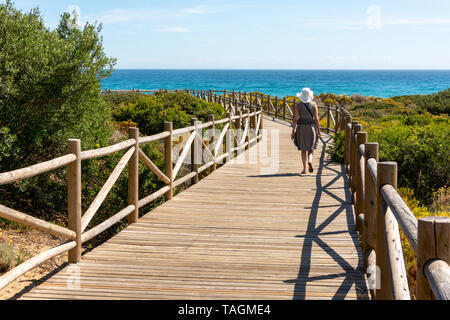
<point x="266" y="69"/>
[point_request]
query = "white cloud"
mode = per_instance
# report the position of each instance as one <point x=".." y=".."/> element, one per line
<point x="119" y="15"/>
<point x="403" y="21"/>
<point x="173" y="29"/>
<point x="195" y="10"/>
<point x="358" y="58"/>
<point x="374" y="21"/>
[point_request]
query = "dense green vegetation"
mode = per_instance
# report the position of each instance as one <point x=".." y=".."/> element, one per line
<point x="49" y="92"/>
<point x="438" y="103"/>
<point x="150" y="112"/>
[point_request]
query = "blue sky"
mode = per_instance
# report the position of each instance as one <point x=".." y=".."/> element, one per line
<point x="244" y="34"/>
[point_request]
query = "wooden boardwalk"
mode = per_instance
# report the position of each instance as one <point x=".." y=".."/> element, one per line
<point x="237" y="234"/>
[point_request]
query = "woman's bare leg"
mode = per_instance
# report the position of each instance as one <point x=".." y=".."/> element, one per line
<point x="304" y="161"/>
<point x="310" y="160"/>
<point x="310" y="156"/>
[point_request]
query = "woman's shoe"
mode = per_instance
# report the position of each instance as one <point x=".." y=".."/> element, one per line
<point x="311" y="169"/>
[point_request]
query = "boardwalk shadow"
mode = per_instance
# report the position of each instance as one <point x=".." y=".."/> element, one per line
<point x="350" y="276"/>
<point x="37" y="282"/>
<point x="276" y="175"/>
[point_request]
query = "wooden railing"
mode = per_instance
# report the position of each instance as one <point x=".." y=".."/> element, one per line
<point x="239" y="131"/>
<point x="235" y="101"/>
<point x="380" y="211"/>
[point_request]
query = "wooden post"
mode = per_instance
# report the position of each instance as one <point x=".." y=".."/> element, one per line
<point x="276" y="107"/>
<point x="254" y="122"/>
<point x="348" y="132"/>
<point x="361" y="139"/>
<point x="212" y="141"/>
<point x="229" y="139"/>
<point x="268" y="108"/>
<point x="328" y="119"/>
<point x="370" y="200"/>
<point x="195" y="155"/>
<point x="433" y="242"/>
<point x="354" y="156"/>
<point x="284" y="109"/>
<point x="337" y="126"/>
<point x="133" y="177"/>
<point x="261" y="124"/>
<point x="343" y="122"/>
<point x="233" y="99"/>
<point x="239" y="130"/>
<point x="247" y="138"/>
<point x="74" y="198"/>
<point x="168" y="158"/>
<point x="386" y="174"/>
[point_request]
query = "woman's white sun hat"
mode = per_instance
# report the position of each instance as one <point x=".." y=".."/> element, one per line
<point x="306" y="96"/>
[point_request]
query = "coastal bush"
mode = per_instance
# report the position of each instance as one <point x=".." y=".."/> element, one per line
<point x="49" y="92"/>
<point x="336" y="151"/>
<point x="150" y="112"/>
<point x="438" y="103"/>
<point x="115" y="99"/>
<point x="422" y="154"/>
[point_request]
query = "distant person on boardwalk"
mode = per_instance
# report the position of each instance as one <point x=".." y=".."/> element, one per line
<point x="306" y="127"/>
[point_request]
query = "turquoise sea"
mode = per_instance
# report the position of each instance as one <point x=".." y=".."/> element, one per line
<point x="379" y="83"/>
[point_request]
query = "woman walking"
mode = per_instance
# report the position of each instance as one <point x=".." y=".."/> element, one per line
<point x="306" y="127"/>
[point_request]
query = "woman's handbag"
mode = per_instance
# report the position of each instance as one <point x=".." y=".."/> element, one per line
<point x="295" y="138"/>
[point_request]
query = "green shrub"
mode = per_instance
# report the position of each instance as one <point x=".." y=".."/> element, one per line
<point x="422" y="154"/>
<point x="337" y="150"/>
<point x="150" y="112"/>
<point x="115" y="99"/>
<point x="49" y="92"/>
<point x="438" y="103"/>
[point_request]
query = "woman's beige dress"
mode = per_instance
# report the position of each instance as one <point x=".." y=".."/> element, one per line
<point x="306" y="132"/>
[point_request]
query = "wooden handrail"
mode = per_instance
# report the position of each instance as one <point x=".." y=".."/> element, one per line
<point x="78" y="224"/>
<point x="32" y="263"/>
<point x="402" y="213"/>
<point x="20" y="174"/>
<point x="377" y="200"/>
<point x="25" y="219"/>
<point x="437" y="273"/>
<point x="98" y="153"/>
<point x="156" y="137"/>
